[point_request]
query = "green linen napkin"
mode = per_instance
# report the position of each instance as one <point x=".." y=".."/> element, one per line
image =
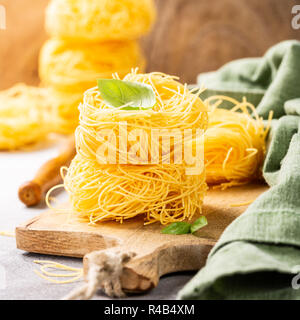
<point x="267" y="82"/>
<point x="258" y="255"/>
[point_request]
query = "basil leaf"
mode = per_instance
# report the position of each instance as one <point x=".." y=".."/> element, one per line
<point x="198" y="224"/>
<point x="117" y="93"/>
<point x="177" y="228"/>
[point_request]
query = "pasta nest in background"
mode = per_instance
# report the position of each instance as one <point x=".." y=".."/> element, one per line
<point x="75" y="67"/>
<point x="99" y="20"/>
<point x="234" y="143"/>
<point x="65" y="110"/>
<point x="25" y="116"/>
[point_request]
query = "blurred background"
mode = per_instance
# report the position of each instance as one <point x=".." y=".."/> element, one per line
<point x="189" y="37"/>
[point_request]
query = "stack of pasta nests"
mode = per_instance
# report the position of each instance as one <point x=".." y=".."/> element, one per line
<point x="89" y="40"/>
<point x="156" y="185"/>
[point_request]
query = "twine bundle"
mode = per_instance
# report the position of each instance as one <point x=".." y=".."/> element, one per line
<point x="158" y="192"/>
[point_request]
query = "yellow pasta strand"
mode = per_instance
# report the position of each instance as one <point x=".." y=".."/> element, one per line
<point x="246" y="203"/>
<point x="45" y="265"/>
<point x="7" y="234"/>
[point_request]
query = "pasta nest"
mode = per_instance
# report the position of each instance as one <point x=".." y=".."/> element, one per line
<point x="162" y="193"/>
<point x="234" y="143"/>
<point x="65" y="110"/>
<point x="75" y="67"/>
<point x="176" y="108"/>
<point x="25" y="116"/>
<point x="155" y="191"/>
<point x="99" y="20"/>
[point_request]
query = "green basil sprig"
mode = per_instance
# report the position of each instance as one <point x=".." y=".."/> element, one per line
<point x="131" y="95"/>
<point x="184" y="227"/>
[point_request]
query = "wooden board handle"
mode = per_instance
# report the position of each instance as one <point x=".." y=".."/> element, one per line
<point x="31" y="192"/>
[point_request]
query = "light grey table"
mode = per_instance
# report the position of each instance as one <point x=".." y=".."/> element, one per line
<point x="17" y="277"/>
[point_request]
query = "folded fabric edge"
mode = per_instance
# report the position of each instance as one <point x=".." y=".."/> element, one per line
<point x="292" y="107"/>
<point x="220" y="279"/>
<point x="256" y="228"/>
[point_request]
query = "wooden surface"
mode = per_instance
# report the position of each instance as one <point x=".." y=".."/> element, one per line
<point x="190" y="36"/>
<point x="193" y="36"/>
<point x="157" y="254"/>
<point x="21" y="41"/>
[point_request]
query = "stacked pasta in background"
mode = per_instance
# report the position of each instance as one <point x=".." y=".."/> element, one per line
<point x="89" y="40"/>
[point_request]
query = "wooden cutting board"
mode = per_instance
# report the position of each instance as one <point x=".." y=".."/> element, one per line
<point x="157" y="254"/>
